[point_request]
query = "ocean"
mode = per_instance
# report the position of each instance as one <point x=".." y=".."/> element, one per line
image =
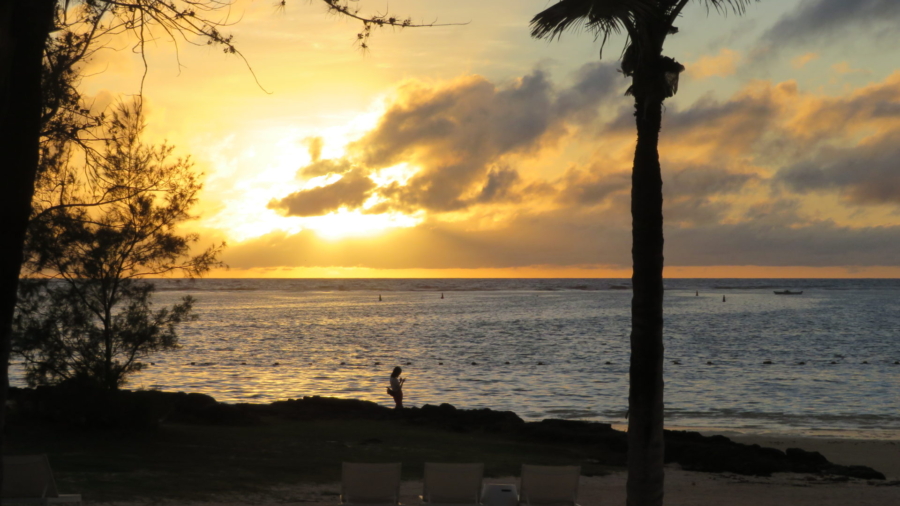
<point x="826" y="362"/>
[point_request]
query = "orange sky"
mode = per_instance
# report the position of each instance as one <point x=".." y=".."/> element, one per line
<point x="475" y="151"/>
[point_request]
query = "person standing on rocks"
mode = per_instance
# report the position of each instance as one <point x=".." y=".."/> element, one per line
<point x="396" y="388"/>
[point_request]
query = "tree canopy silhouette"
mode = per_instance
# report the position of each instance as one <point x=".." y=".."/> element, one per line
<point x="29" y="29"/>
<point x="654" y="78"/>
<point x="86" y="316"/>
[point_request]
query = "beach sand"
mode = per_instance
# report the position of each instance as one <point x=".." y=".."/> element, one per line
<point x="683" y="488"/>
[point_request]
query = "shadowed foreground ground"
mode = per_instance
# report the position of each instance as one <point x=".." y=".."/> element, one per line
<point x="154" y="446"/>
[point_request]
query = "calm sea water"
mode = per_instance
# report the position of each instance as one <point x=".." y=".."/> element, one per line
<point x="551" y="348"/>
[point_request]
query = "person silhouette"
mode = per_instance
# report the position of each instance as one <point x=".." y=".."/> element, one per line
<point x="396" y="388"/>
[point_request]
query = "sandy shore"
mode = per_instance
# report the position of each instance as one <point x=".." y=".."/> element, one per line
<point x="683" y="488"/>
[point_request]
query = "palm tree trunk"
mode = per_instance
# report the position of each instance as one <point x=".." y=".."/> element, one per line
<point x="24" y="26"/>
<point x="645" y="400"/>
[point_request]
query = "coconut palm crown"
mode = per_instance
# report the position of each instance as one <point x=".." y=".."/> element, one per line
<point x="646" y="23"/>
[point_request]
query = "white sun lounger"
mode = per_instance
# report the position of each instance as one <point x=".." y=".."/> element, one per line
<point x="370" y="484"/>
<point x="546" y="485"/>
<point x="28" y="479"/>
<point x="452" y="484"/>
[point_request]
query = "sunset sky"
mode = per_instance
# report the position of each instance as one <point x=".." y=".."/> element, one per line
<point x="476" y="151"/>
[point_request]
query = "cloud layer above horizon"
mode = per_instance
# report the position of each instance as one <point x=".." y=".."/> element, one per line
<point x="531" y="172"/>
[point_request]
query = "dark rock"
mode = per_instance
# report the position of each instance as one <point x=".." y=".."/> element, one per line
<point x="808" y="462"/>
<point x="859" y="472"/>
<point x="465" y="420"/>
<point x="324" y="408"/>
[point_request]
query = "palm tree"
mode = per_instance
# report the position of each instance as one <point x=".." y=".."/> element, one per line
<point x="646" y="23"/>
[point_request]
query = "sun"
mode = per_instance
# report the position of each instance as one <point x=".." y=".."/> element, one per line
<point x="344" y="223"/>
<point x="248" y="175"/>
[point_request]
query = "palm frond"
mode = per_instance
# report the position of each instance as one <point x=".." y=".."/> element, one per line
<point x="603" y="17"/>
<point x="722" y="6"/>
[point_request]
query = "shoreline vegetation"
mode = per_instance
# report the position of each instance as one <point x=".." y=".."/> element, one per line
<point x="127" y="445"/>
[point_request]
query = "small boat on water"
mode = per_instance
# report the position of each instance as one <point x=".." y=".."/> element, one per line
<point x="788" y="292"/>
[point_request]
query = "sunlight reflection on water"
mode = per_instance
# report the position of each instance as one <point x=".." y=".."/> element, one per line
<point x="561" y="354"/>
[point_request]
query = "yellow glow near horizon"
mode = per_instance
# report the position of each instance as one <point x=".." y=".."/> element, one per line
<point x="344" y="223"/>
<point x="612" y="272"/>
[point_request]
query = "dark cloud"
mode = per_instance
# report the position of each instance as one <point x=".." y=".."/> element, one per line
<point x="735" y="124"/>
<point x="459" y="133"/>
<point x="704" y="181"/>
<point x="764" y="243"/>
<point x="825" y="19"/>
<point x="350" y="191"/>
<point x="865" y="174"/>
<point x="591" y="187"/>
<point x="325" y="167"/>
<point x="314" y="145"/>
<point x="499" y="186"/>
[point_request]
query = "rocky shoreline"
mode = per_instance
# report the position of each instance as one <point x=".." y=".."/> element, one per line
<point x="147" y="410"/>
